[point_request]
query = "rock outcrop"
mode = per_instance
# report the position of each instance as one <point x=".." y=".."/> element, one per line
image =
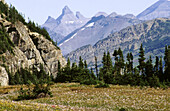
<point x="31" y="50"/>
<point x="3" y="77"/>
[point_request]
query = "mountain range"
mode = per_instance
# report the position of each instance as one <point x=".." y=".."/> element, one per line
<point x="83" y="39"/>
<point x="99" y="27"/>
<point x="74" y="31"/>
<point x="154" y="35"/>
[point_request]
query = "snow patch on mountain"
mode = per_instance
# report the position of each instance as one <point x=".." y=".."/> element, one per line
<point x="69" y="22"/>
<point x="68" y="39"/>
<point x="90" y="24"/>
<point x="82" y="29"/>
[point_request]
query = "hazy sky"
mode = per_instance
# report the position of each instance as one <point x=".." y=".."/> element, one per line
<point x="39" y="10"/>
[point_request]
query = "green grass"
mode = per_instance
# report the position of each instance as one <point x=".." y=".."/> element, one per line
<point x="73" y="96"/>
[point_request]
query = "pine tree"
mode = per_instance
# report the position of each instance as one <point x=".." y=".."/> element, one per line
<point x="149" y="68"/>
<point x="92" y="74"/>
<point x="109" y="62"/>
<point x="115" y="54"/>
<point x="156" y="67"/>
<point x="68" y="63"/>
<point x="67" y="71"/>
<point x="104" y="60"/>
<point x="130" y="63"/>
<point x="81" y="65"/>
<point x="106" y="71"/>
<point x="85" y="64"/>
<point x="141" y="60"/>
<point x="160" y="70"/>
<point x="167" y="63"/>
<point x="74" y="72"/>
<point x="96" y="67"/>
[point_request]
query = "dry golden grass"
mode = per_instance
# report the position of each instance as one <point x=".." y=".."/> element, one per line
<point x="72" y="96"/>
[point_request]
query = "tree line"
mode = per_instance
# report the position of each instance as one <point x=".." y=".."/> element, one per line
<point x="145" y="74"/>
<point x="122" y="73"/>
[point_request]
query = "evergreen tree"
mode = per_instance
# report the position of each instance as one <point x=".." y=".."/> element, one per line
<point x="96" y="67"/>
<point x="92" y="74"/>
<point x="156" y="67"/>
<point x="149" y="68"/>
<point x="104" y="60"/>
<point x="74" y="72"/>
<point x="141" y="60"/>
<point x="81" y="65"/>
<point x="160" y="70"/>
<point x="116" y="68"/>
<point x="167" y="63"/>
<point x="85" y="64"/>
<point x="130" y="63"/>
<point x="104" y="68"/>
<point x="67" y="71"/>
<point x="109" y="62"/>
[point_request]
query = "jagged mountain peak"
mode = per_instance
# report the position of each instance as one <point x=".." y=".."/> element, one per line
<point x="79" y="15"/>
<point x="113" y="14"/>
<point x="50" y="19"/>
<point x="64" y="24"/>
<point x="101" y="13"/>
<point x="66" y="10"/>
<point x="131" y="16"/>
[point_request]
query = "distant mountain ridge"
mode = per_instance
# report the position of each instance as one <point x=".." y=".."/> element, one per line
<point x="99" y="27"/>
<point x="64" y="24"/>
<point x="153" y="34"/>
<point x="158" y="10"/>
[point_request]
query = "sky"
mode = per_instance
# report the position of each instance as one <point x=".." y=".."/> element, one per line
<point x="39" y="10"/>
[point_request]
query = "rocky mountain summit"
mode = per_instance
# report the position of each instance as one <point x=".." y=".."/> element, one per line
<point x="64" y="24"/>
<point x="157" y="10"/>
<point x="30" y="49"/>
<point x="99" y="27"/>
<point x="154" y="35"/>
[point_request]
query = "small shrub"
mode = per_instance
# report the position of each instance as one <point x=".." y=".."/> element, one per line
<point x="102" y="85"/>
<point x="122" y="109"/>
<point x="89" y="82"/>
<point x="38" y="91"/>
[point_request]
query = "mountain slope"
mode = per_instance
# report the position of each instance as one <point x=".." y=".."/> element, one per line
<point x="64" y="24"/>
<point x="96" y="29"/>
<point x="20" y="47"/>
<point x="153" y="34"/>
<point x="157" y="10"/>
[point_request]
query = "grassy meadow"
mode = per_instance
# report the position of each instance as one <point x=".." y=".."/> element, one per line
<point x="76" y="97"/>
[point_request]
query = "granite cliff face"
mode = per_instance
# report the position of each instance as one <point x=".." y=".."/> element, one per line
<point x="153" y="34"/>
<point x="30" y="50"/>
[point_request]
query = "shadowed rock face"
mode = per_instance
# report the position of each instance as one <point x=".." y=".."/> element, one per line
<point x="153" y="34"/>
<point x="157" y="10"/>
<point x="64" y="24"/>
<point x="31" y="49"/>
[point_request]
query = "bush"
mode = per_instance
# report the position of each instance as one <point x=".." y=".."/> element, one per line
<point x="89" y="82"/>
<point x="102" y="85"/>
<point x="39" y="90"/>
